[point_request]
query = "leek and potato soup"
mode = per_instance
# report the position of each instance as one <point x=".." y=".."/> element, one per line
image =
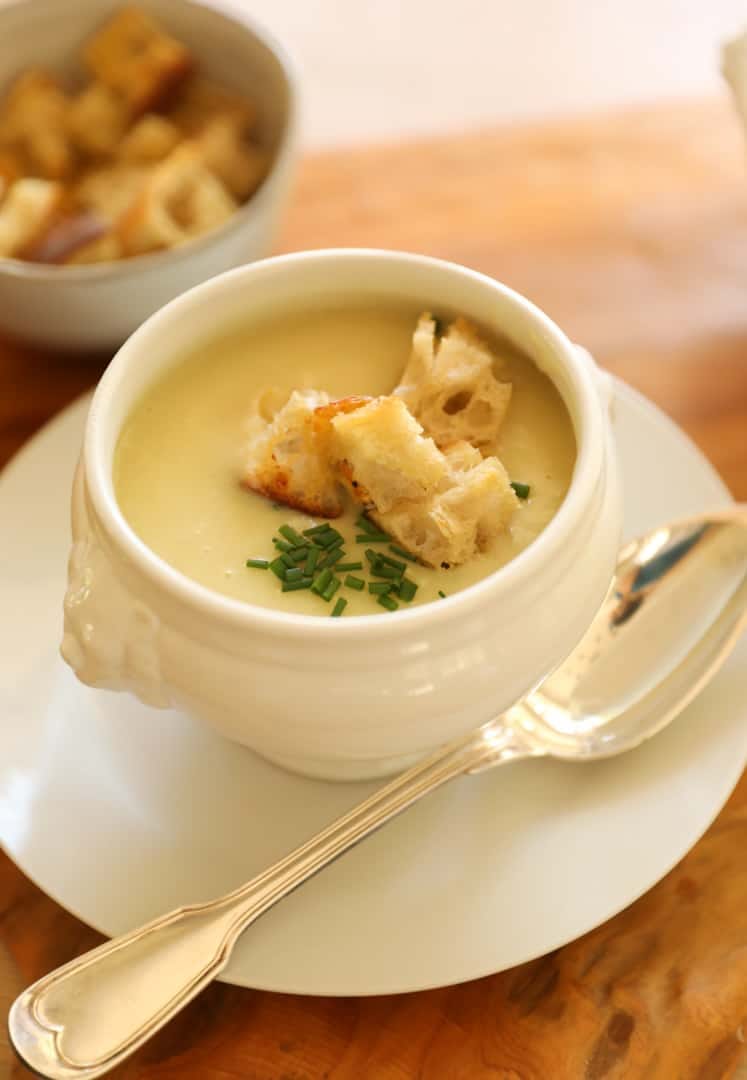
<point x="345" y="461"/>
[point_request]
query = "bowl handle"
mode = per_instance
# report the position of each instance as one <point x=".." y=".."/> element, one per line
<point x="111" y="639"/>
<point x="605" y="382"/>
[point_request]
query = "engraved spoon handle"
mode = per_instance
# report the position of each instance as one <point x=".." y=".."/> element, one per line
<point x="86" y="1017"/>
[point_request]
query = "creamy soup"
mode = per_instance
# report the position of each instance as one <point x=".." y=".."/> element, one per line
<point x="177" y="462"/>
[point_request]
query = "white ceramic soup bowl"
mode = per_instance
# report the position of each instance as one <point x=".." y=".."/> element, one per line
<point x="359" y="696"/>
<point x="99" y="305"/>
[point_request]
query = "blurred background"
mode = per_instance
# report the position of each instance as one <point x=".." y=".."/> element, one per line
<point x="395" y="68"/>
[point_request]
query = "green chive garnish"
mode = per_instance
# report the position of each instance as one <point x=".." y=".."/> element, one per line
<point x="407" y="589"/>
<point x="328" y="538"/>
<point x="379" y="588"/>
<point x="405" y="554"/>
<point x="278" y="568"/>
<point x="382" y="570"/>
<point x="334" y="556"/>
<point x="442" y="594"/>
<point x="371" y="555"/>
<point x="522" y="490"/>
<point x="282" y="545"/>
<point x="387" y="602"/>
<point x="294" y="574"/>
<point x="258" y="564"/>
<point x="321" y="581"/>
<point x="387" y="560"/>
<point x="339" y="607"/>
<point x="290" y="534"/>
<point x="353" y="582"/>
<point x="292" y="586"/>
<point x="299" y="553"/>
<point x="331" y="589"/>
<point x="287" y="560"/>
<point x="372" y="538"/>
<point x="311" y="560"/>
<point x="364" y="522"/>
<point x="316" y="529"/>
<point x="349" y="566"/>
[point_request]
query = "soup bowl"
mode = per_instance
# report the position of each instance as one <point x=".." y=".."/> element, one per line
<point x="361" y="696"/>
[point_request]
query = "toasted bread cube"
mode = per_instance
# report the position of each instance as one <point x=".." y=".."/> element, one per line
<point x="106" y="248"/>
<point x="450" y="385"/>
<point x="26" y="212"/>
<point x="33" y="118"/>
<point x="286" y="457"/>
<point x="182" y="199"/>
<point x="134" y="57"/>
<point x="97" y="119"/>
<point x="151" y="140"/>
<point x="200" y="101"/>
<point x="65" y="236"/>
<point x="384" y="455"/>
<point x="443" y="507"/>
<point x="111" y="190"/>
<point x="239" y="164"/>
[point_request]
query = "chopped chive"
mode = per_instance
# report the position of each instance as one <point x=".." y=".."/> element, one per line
<point x="278" y="568"/>
<point x="311" y="560"/>
<point x="258" y="564"/>
<point x="387" y="560"/>
<point x="300" y="552"/>
<point x="372" y="538"/>
<point x="294" y="574"/>
<point x="364" y="522"/>
<point x="331" y="588"/>
<point x="522" y="490"/>
<point x="339" y="606"/>
<point x="405" y="554"/>
<point x="387" y="602"/>
<point x="378" y="588"/>
<point x="349" y="566"/>
<point x="316" y="529"/>
<point x="287" y="560"/>
<point x="293" y="586"/>
<point x="442" y="594"/>
<point x="353" y="582"/>
<point x="334" y="557"/>
<point x="382" y="570"/>
<point x="290" y="534"/>
<point x="372" y="556"/>
<point x="407" y="589"/>
<point x="327" y="539"/>
<point x="321" y="581"/>
<point x="282" y="545"/>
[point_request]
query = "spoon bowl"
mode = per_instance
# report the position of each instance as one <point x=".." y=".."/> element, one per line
<point x="675" y="608"/>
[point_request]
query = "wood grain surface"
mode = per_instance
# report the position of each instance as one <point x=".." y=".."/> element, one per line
<point x="631" y="231"/>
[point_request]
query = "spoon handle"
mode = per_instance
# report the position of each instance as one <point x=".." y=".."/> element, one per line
<point x="86" y="1017"/>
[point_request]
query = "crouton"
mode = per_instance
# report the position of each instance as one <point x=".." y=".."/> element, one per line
<point x="33" y="118"/>
<point x="26" y="212"/>
<point x="105" y="248"/>
<point x="151" y="139"/>
<point x="135" y="58"/>
<point x="181" y="199"/>
<point x="384" y="455"/>
<point x="97" y="119"/>
<point x="69" y="234"/>
<point x="450" y="387"/>
<point x="111" y="190"/>
<point x="287" y="458"/>
<point x="239" y="164"/>
<point x="442" y="507"/>
<point x="200" y="101"/>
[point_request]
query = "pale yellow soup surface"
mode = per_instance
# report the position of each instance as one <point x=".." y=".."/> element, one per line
<point x="178" y="458"/>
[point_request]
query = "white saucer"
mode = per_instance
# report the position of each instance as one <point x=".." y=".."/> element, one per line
<point x="120" y="812"/>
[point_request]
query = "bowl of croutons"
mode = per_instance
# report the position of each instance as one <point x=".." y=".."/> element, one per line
<point x="143" y="149"/>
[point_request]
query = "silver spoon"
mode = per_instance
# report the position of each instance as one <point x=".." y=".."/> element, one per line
<point x="676" y="606"/>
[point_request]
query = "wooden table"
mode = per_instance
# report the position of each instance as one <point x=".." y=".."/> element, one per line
<point x="631" y="231"/>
